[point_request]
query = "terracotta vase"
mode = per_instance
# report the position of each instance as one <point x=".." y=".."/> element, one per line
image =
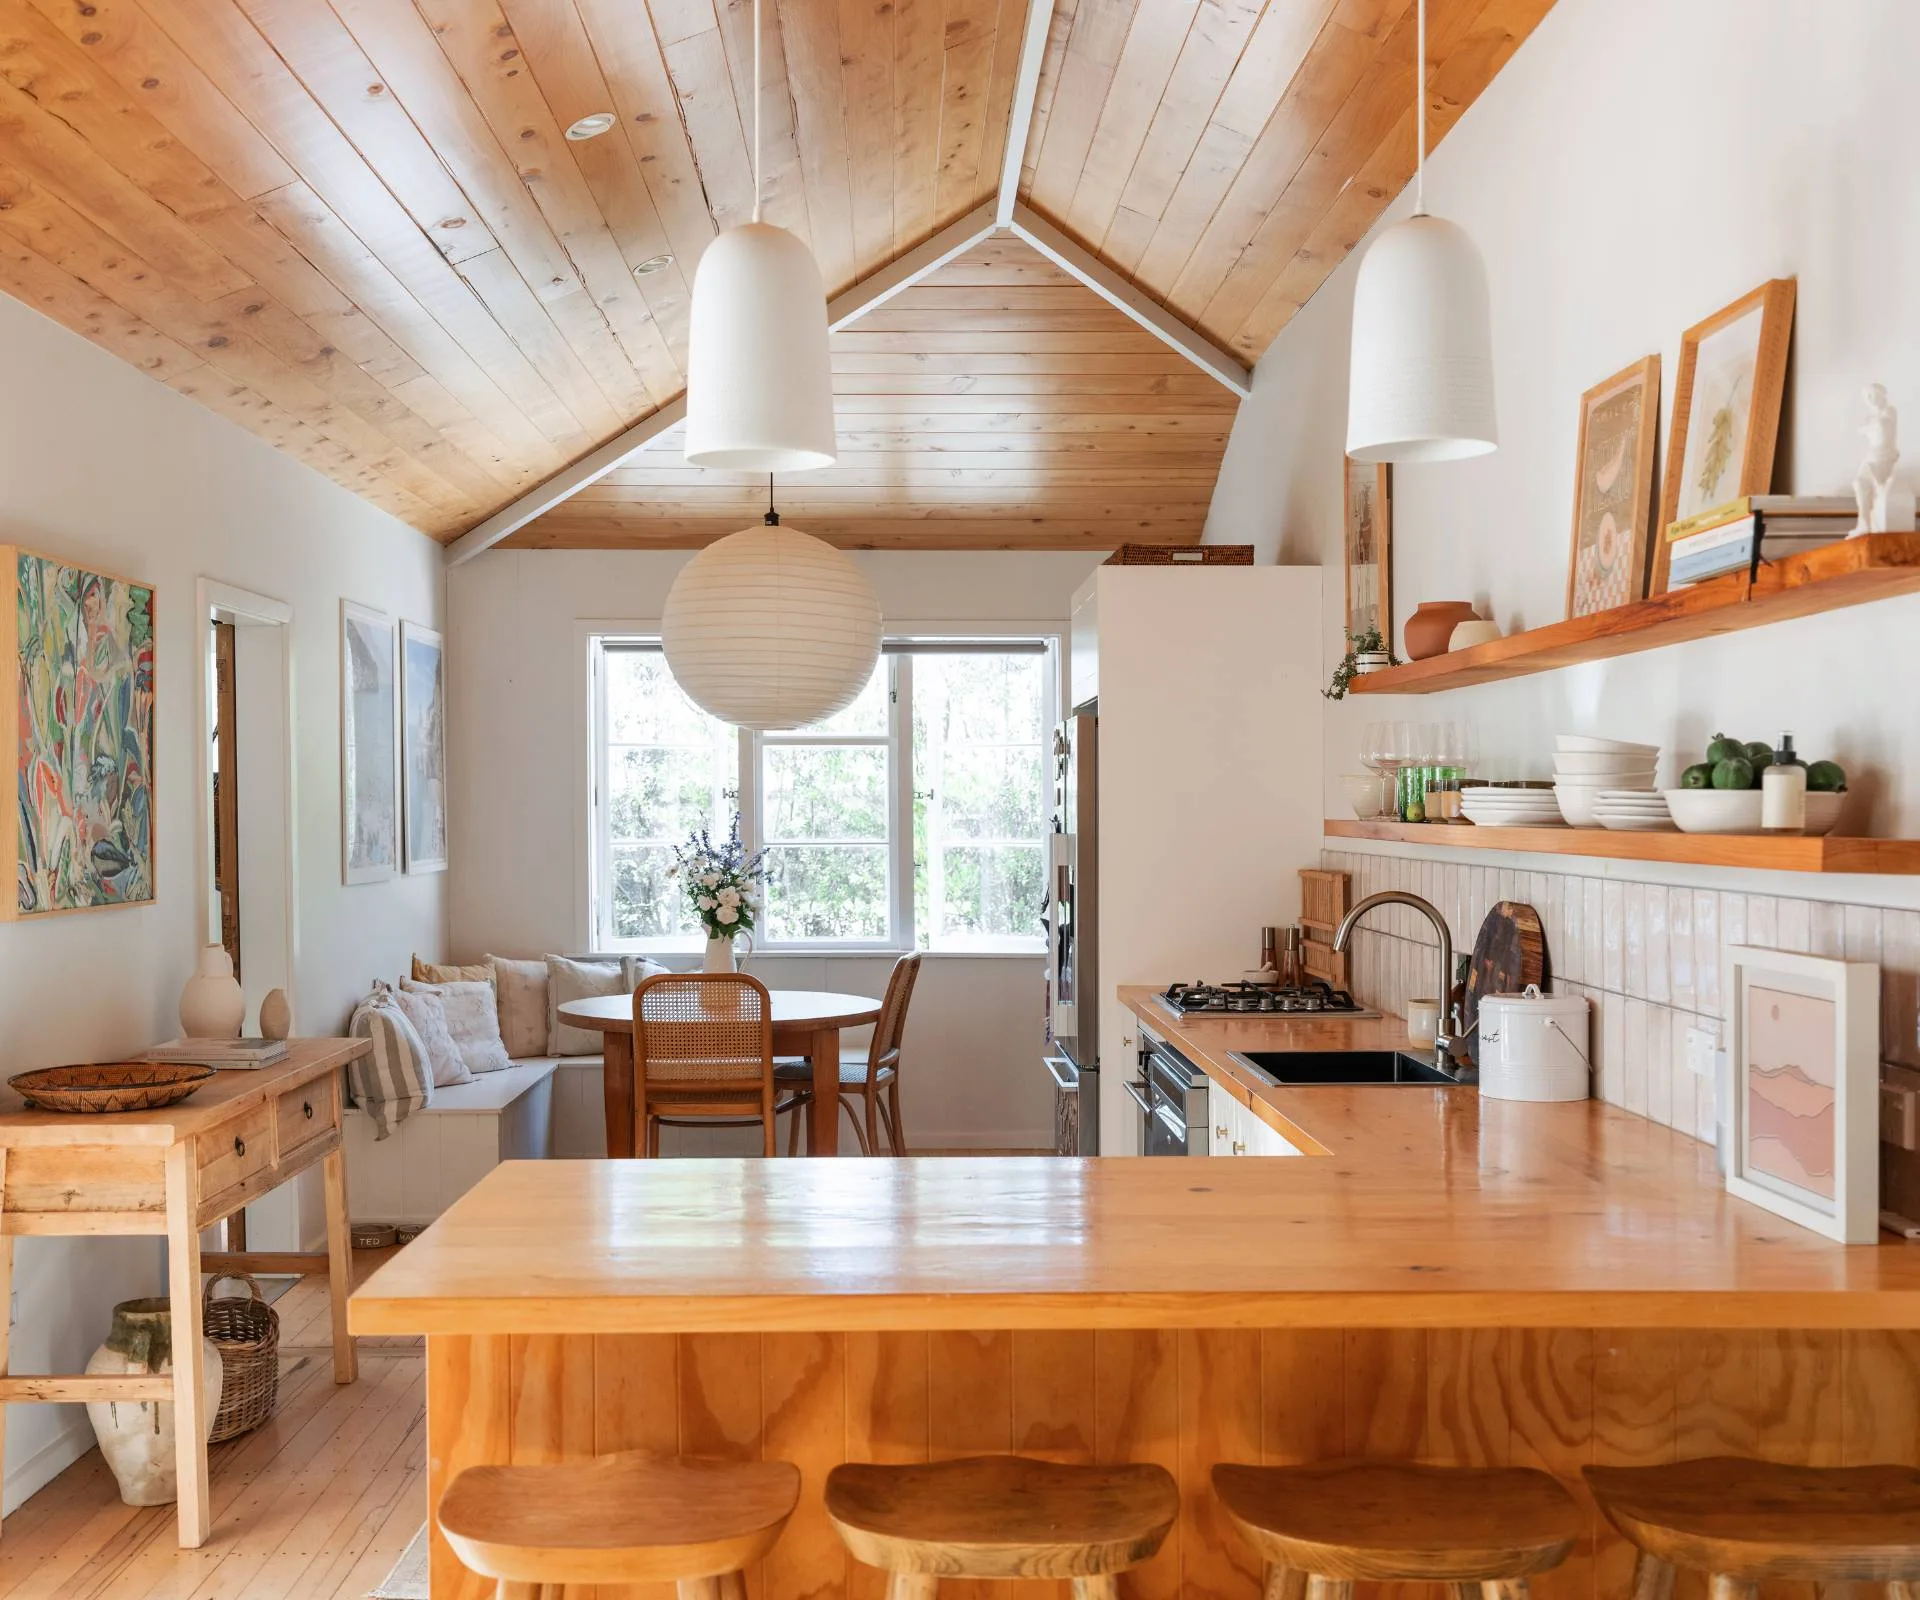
<point x="1429" y="628"/>
<point x="212" y="1004"/>
<point x="136" y="1436"/>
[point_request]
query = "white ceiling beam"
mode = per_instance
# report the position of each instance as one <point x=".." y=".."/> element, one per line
<point x="1026" y="94"/>
<point x="870" y="293"/>
<point x="1124" y="297"/>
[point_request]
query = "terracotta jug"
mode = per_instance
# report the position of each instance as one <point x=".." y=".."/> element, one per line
<point x="136" y="1436"/>
<point x="1430" y="627"/>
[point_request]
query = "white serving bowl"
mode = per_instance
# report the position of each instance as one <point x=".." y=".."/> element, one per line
<point x="1366" y="793"/>
<point x="1475" y="631"/>
<point x="1576" y="804"/>
<point x="1739" y="810"/>
<point x="1585" y="744"/>
<point x="1584" y="764"/>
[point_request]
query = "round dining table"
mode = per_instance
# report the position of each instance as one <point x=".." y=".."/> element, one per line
<point x="806" y="1022"/>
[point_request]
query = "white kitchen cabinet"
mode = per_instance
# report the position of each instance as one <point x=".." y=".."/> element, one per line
<point x="1221" y="1109"/>
<point x="1234" y="1130"/>
<point x="1263" y="1139"/>
<point x="1083" y="644"/>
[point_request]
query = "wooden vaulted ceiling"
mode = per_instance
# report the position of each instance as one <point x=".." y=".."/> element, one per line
<point x="355" y="227"/>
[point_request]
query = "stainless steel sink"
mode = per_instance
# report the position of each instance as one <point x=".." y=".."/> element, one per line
<point x="1300" y="1067"/>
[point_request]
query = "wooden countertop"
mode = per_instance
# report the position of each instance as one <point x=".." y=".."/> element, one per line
<point x="1429" y="1208"/>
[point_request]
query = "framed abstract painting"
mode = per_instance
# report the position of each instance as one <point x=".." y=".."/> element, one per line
<point x="1726" y="409"/>
<point x="1613" y="491"/>
<point x="76" y="720"/>
<point x="369" y="745"/>
<point x="423" y="748"/>
<point x="1369" y="547"/>
<point x="1802" y="1092"/>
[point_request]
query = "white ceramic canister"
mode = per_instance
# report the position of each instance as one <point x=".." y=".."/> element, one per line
<point x="1535" y="1046"/>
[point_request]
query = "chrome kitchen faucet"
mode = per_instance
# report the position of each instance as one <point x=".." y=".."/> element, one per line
<point x="1442" y="1032"/>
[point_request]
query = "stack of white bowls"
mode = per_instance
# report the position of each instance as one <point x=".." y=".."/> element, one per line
<point x="1584" y="768"/>
<point x="1487" y="806"/>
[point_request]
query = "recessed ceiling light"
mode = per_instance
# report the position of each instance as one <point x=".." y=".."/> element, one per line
<point x="654" y="264"/>
<point x="591" y="126"/>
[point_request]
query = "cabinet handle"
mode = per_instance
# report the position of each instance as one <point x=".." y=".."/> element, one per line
<point x="239" y="1145"/>
<point x="1238" y="1148"/>
<point x="1219" y="1133"/>
<point x="307" y="1107"/>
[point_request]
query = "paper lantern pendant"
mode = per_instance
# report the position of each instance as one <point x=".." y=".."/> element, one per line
<point x="771" y="629"/>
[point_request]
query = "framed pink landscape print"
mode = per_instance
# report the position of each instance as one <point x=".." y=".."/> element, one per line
<point x="1803" y="1092"/>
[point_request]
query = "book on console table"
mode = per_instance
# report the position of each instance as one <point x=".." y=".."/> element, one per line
<point x="218" y="1052"/>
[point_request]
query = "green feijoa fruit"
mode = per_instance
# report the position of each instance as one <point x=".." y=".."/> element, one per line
<point x="1826" y="777"/>
<point x="1721" y="748"/>
<point x="1697" y="776"/>
<point x="1759" y="754"/>
<point x="1736" y="772"/>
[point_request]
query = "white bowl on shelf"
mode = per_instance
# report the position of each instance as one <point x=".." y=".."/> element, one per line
<point x="1576" y="804"/>
<point x="1586" y="744"/>
<point x="1626" y="764"/>
<point x="1739" y="810"/>
<point x="1366" y="793"/>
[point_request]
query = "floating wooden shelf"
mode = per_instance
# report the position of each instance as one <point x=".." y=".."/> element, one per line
<point x="1756" y="852"/>
<point x="1849" y="573"/>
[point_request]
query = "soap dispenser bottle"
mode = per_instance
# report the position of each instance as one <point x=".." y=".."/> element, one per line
<point x="1783" y="791"/>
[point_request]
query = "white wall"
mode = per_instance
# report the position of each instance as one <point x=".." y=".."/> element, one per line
<point x="517" y="746"/>
<point x="1636" y="166"/>
<point x="100" y="464"/>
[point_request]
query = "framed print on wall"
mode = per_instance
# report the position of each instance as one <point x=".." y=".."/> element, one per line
<point x="76" y="722"/>
<point x="1726" y="409"/>
<point x="1369" y="550"/>
<point x="369" y="746"/>
<point x="1613" y="490"/>
<point x="1803" y="1058"/>
<point x="423" y="748"/>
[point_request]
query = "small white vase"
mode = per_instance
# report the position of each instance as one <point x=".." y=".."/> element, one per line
<point x="719" y="957"/>
<point x="212" y="1005"/>
<point x="276" y="1015"/>
<point x="136" y="1436"/>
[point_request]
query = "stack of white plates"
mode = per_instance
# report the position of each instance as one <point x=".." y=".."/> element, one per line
<point x="1584" y="768"/>
<point x="1633" y="811"/>
<point x="1510" y="808"/>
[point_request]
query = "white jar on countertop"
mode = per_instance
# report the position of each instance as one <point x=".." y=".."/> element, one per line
<point x="1535" y="1046"/>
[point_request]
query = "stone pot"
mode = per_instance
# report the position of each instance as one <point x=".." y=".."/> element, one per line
<point x="276" y="1015"/>
<point x="212" y="1005"/>
<point x="136" y="1436"/>
<point x="1431" y="627"/>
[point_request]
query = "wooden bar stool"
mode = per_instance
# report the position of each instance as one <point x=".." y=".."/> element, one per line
<point x="1321" y="1527"/>
<point x="631" y="1518"/>
<point x="1744" y="1523"/>
<point x="1001" y="1517"/>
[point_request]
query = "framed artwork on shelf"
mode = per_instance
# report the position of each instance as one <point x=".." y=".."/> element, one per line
<point x="1803" y="1089"/>
<point x="1613" y="492"/>
<point x="369" y="745"/>
<point x="76" y="722"/>
<point x="1726" y="409"/>
<point x="423" y="748"/>
<point x="1369" y="549"/>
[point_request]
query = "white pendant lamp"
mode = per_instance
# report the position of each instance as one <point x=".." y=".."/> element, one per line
<point x="1421" y="380"/>
<point x="770" y="628"/>
<point x="759" y="379"/>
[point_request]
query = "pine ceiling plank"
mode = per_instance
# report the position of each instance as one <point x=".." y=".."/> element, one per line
<point x="985" y="366"/>
<point x="1100" y="29"/>
<point x="1213" y="44"/>
<point x="716" y="128"/>
<point x="885" y="472"/>
<point x="967" y="82"/>
<point x="866" y="75"/>
<point x="1004" y="259"/>
<point x="1114" y="426"/>
<point x="783" y="186"/>
<point x="37" y="282"/>
<point x="428" y="398"/>
<point x="1124" y="339"/>
<point x="810" y="41"/>
<point x="556" y="532"/>
<point x="1009" y="34"/>
<point x="1187" y="387"/>
<point x="1035" y="404"/>
<point x="558" y="359"/>
<point x="173" y="89"/>
<point x="1272" y="58"/>
<point x="1052" y="62"/>
<point x="918" y="62"/>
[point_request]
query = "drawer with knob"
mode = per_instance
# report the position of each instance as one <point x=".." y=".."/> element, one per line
<point x="306" y="1114"/>
<point x="236" y="1151"/>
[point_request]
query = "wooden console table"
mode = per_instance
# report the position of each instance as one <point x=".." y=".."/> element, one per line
<point x="172" y="1173"/>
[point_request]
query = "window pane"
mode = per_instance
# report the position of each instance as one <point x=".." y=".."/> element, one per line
<point x="645" y="903"/>
<point x="655" y="793"/>
<point x="993" y="792"/>
<point x="827" y="892"/>
<point x="645" y="705"/>
<point x="992" y="893"/>
<point x="867" y="716"/>
<point x="826" y="793"/>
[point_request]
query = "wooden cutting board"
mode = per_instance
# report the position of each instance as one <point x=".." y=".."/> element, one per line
<point x="1509" y="953"/>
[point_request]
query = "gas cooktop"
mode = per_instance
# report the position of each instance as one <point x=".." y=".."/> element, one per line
<point x="1312" y="998"/>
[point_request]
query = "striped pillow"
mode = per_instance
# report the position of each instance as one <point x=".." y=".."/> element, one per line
<point x="395" y="1079"/>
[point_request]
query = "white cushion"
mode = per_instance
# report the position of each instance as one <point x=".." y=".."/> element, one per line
<point x="429" y="1018"/>
<point x="473" y="1021"/>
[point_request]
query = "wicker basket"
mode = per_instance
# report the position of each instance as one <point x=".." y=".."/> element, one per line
<point x="1184" y="555"/>
<point x="247" y="1334"/>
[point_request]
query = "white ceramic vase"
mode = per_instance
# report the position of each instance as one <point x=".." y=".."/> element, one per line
<point x="719" y="957"/>
<point x="276" y="1015"/>
<point x="212" y="1005"/>
<point x="136" y="1436"/>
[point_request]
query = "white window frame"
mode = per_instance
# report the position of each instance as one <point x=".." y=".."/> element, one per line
<point x="593" y="844"/>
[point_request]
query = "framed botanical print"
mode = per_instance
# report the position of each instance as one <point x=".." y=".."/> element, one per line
<point x="1613" y="491"/>
<point x="369" y="746"/>
<point x="1803" y="1096"/>
<point x="423" y="748"/>
<point x="1369" y="549"/>
<point x="1726" y="409"/>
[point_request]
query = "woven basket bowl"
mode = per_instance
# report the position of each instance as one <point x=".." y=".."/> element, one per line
<point x="115" y="1086"/>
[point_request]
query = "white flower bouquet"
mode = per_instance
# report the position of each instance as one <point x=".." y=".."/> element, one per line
<point x="722" y="881"/>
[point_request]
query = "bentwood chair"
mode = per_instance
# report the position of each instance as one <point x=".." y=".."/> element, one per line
<point x="620" y="1519"/>
<point x="703" y="1057"/>
<point x="867" y="1077"/>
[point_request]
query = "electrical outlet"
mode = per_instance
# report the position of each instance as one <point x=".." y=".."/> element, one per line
<point x="1703" y="1044"/>
<point x="1898" y="1119"/>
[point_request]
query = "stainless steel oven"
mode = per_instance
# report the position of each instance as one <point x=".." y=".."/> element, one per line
<point x="1171" y="1097"/>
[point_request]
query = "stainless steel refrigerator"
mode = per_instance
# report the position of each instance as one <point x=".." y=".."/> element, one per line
<point x="1073" y="922"/>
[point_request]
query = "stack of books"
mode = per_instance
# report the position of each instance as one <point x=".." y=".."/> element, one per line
<point x="1739" y="535"/>
<point x="218" y="1052"/>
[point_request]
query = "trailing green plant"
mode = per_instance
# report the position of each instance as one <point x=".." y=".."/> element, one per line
<point x="1365" y="643"/>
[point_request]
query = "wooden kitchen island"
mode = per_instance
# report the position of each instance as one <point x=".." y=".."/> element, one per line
<point x="1452" y="1281"/>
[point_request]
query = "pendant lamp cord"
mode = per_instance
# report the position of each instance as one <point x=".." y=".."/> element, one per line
<point x="756" y="101"/>
<point x="1419" y="114"/>
<point x="772" y="518"/>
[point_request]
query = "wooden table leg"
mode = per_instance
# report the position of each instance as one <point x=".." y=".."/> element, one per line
<point x="190" y="1419"/>
<point x="824" y="1052"/>
<point x="617" y="1091"/>
<point x="6" y="1293"/>
<point x="346" y="1359"/>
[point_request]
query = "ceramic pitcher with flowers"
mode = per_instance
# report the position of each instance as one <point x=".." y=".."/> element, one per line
<point x="722" y="883"/>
